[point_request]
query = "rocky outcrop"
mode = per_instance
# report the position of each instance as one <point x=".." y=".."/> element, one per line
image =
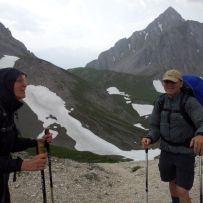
<point x="11" y="46"/>
<point x="169" y="41"/>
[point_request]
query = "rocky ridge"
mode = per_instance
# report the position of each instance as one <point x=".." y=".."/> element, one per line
<point x="11" y="46"/>
<point x="169" y="41"/>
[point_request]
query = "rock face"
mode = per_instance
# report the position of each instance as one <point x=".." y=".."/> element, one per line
<point x="169" y="41"/>
<point x="9" y="45"/>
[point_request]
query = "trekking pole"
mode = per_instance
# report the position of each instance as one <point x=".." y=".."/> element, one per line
<point x="146" y="172"/>
<point x="200" y="178"/>
<point x="40" y="149"/>
<point x="49" y="163"/>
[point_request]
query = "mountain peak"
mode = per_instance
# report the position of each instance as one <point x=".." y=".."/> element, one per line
<point x="168" y="19"/>
<point x="171" y="10"/>
<point x="168" y="41"/>
<point x="170" y="15"/>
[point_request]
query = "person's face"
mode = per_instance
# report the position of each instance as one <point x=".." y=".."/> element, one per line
<point x="172" y="88"/>
<point x="20" y="86"/>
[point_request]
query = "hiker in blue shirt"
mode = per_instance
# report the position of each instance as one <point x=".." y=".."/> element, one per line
<point x="12" y="90"/>
<point x="180" y="141"/>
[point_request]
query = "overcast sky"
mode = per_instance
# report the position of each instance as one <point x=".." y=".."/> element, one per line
<point x="70" y="33"/>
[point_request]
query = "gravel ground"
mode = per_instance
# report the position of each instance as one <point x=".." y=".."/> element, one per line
<point x="96" y="183"/>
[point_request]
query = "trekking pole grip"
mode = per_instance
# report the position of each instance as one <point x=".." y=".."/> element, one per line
<point x="40" y="147"/>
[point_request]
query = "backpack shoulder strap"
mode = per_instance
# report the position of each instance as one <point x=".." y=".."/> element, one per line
<point x="183" y="101"/>
<point x="160" y="100"/>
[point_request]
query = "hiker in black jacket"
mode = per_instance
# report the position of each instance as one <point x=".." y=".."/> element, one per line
<point x="180" y="141"/>
<point x="12" y="91"/>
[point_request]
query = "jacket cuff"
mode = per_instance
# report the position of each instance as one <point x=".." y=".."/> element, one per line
<point x="15" y="164"/>
<point x="199" y="133"/>
<point x="19" y="164"/>
<point x="33" y="143"/>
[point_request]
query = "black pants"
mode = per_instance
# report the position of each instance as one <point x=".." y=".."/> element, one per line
<point x="4" y="190"/>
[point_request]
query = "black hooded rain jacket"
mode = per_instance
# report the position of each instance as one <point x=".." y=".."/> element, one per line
<point x="9" y="136"/>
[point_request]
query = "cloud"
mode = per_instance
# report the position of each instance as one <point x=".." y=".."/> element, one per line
<point x="191" y="3"/>
<point x="195" y="1"/>
<point x="84" y="24"/>
<point x="68" y="57"/>
<point x="19" y="18"/>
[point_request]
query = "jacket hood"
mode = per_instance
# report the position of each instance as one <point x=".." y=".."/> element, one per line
<point x="8" y="77"/>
